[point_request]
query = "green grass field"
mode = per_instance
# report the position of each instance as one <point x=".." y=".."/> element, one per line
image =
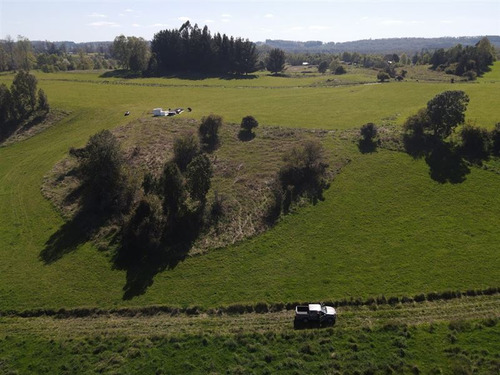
<point x="384" y="228"/>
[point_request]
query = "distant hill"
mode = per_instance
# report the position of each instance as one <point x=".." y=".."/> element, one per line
<point x="389" y="45"/>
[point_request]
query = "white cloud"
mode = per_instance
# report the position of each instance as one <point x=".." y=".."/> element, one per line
<point x="297" y="28"/>
<point x="319" y="27"/>
<point x="159" y="25"/>
<point x="136" y="25"/>
<point x="209" y="21"/>
<point x="97" y="15"/>
<point x="129" y="10"/>
<point x="391" y="22"/>
<point x="446" y="21"/>
<point x="183" y="19"/>
<point x="269" y="15"/>
<point x="104" y="24"/>
<point x="226" y="16"/>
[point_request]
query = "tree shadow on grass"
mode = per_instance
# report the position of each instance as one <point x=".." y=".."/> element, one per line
<point x="127" y="74"/>
<point x="445" y="161"/>
<point x="446" y="164"/>
<point x="142" y="262"/>
<point x="70" y="236"/>
<point x="367" y="146"/>
<point x="245" y="135"/>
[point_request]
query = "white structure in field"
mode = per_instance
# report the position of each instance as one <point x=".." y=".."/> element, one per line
<point x="159" y="112"/>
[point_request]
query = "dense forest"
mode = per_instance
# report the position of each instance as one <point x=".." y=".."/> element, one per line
<point x="193" y="49"/>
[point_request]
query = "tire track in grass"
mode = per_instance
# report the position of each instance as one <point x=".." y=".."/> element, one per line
<point x="349" y="318"/>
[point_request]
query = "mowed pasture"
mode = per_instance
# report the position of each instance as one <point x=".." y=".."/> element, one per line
<point x="384" y="228"/>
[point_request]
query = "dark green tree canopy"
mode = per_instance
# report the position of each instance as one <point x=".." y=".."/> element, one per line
<point x="24" y="93"/>
<point x="209" y="132"/>
<point x="446" y="111"/>
<point x="248" y="123"/>
<point x="275" y="62"/>
<point x="199" y="174"/>
<point x="195" y="50"/>
<point x="101" y="171"/>
<point x="186" y="147"/>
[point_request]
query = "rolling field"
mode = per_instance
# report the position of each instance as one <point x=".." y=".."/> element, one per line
<point x="384" y="228"/>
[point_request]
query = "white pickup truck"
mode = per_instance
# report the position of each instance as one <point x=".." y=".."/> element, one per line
<point x="315" y="312"/>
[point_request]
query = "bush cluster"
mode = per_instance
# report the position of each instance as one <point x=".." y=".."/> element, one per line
<point x="22" y="101"/>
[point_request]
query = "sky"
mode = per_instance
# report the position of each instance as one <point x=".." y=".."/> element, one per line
<point x="256" y="20"/>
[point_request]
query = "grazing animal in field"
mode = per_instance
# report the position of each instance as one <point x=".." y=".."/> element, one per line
<point x="127" y="113"/>
<point x="189" y="109"/>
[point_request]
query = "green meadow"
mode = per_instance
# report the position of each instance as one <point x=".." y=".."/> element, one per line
<point x="385" y="227"/>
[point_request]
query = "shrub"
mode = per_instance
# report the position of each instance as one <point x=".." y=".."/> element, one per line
<point x="24" y="93"/>
<point x="495" y="140"/>
<point x="383" y="76"/>
<point x="7" y="110"/>
<point x="323" y="65"/>
<point x="339" y="70"/>
<point x="417" y="123"/>
<point x="43" y="102"/>
<point x="186" y="147"/>
<point x="209" y="132"/>
<point x="475" y="143"/>
<point x="304" y="171"/>
<point x="199" y="174"/>
<point x="101" y="171"/>
<point x="368" y="131"/>
<point x="142" y="234"/>
<point x="249" y="123"/>
<point x="173" y="189"/>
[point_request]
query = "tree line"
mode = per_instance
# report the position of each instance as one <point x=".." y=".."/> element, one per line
<point x="50" y="57"/>
<point x="468" y="61"/>
<point x="192" y="49"/>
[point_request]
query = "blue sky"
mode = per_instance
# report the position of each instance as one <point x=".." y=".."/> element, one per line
<point x="326" y="20"/>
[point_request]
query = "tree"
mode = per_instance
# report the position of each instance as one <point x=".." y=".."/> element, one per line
<point x="495" y="140"/>
<point x="383" y="76"/>
<point x="101" y="171"/>
<point x="475" y="143"/>
<point x="339" y="70"/>
<point x="199" y="173"/>
<point x="139" y="54"/>
<point x="120" y="51"/>
<point x="6" y="106"/>
<point x="368" y="131"/>
<point x="304" y="172"/>
<point x="173" y="190"/>
<point x="186" y="147"/>
<point x="209" y="132"/>
<point x="43" y="102"/>
<point x="446" y="111"/>
<point x="323" y="65"/>
<point x="142" y="234"/>
<point x="24" y="53"/>
<point x="24" y="93"/>
<point x="248" y="123"/>
<point x="275" y="62"/>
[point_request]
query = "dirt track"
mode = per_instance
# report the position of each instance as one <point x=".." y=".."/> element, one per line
<point x="466" y="308"/>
